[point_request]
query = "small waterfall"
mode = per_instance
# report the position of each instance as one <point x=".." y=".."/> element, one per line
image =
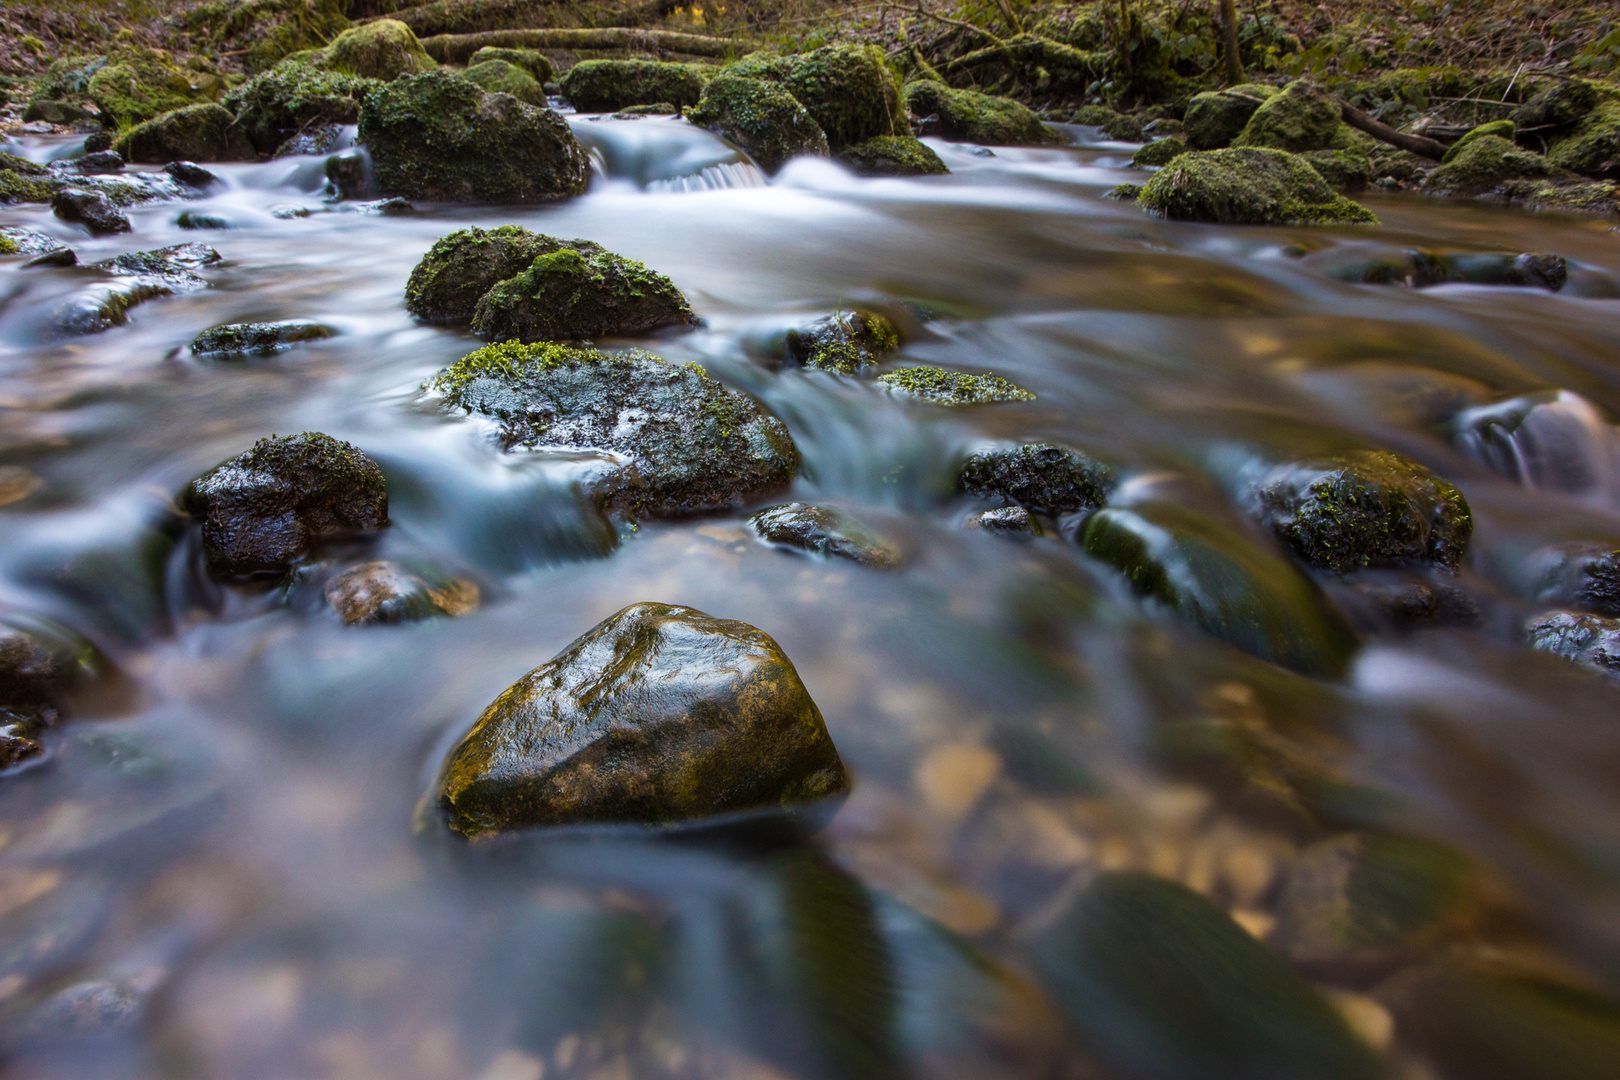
<point x="663" y="154"/>
<point x="1554" y="440"/>
<point x="727" y="174"/>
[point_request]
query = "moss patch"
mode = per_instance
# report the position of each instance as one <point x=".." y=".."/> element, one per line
<point x="383" y="50"/>
<point x="1158" y="153"/>
<point x="1593" y="148"/>
<point x="1502" y="129"/>
<point x="1302" y="117"/>
<point x="205" y="132"/>
<point x="500" y="77"/>
<point x="1483" y="166"/>
<point x="139" y="84"/>
<point x="292" y="96"/>
<point x="580" y="292"/>
<point x="1214" y="119"/>
<point x="845" y="342"/>
<point x="969" y="116"/>
<point x="1247" y="187"/>
<point x="848" y="89"/>
<point x="532" y="61"/>
<point x="266" y="31"/>
<point x="954" y="388"/>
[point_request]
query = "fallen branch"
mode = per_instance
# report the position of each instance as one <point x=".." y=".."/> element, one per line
<point x="458" y="48"/>
<point x="1417" y="144"/>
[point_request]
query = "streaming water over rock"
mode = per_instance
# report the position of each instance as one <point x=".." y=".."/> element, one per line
<point x="228" y="862"/>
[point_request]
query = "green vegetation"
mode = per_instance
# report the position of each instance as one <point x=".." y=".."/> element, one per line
<point x="500" y="77"/>
<point x="954" y="388"/>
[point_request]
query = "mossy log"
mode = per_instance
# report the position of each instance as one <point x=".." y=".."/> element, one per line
<point x="1030" y="49"/>
<point x="476" y="16"/>
<point x="458" y="48"/>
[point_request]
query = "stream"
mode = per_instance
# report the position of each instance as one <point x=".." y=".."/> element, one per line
<point x="222" y="866"/>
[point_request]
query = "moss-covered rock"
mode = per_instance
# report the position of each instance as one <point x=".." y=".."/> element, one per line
<point x="660" y="714"/>
<point x="891" y="155"/>
<point x="266" y="31"/>
<point x="1593" y="148"/>
<point x="953" y="388"/>
<point x="1559" y="107"/>
<point x="438" y="136"/>
<point x="825" y="531"/>
<point x="576" y="292"/>
<point x="766" y="121"/>
<point x="1158" y="153"/>
<point x="263" y="510"/>
<point x="1483" y="166"/>
<point x="1563" y="193"/>
<point x="292" y="97"/>
<point x="1214" y="119"/>
<point x="260" y="339"/>
<point x="384" y="593"/>
<point x="138" y="84"/>
<point x="460" y="268"/>
<point x="533" y="61"/>
<point x="1592" y="641"/>
<point x="206" y="132"/>
<point x="969" y="116"/>
<point x="1163" y="984"/>
<point x="843" y="342"/>
<point x="1116" y="125"/>
<point x="847" y="89"/>
<point x="611" y="85"/>
<point x="1363" y="508"/>
<point x="1038" y="476"/>
<point x="1248" y="187"/>
<point x="1302" y="117"/>
<point x="500" y="77"/>
<point x="22" y="181"/>
<point x="687" y="444"/>
<point x="1502" y="129"/>
<point x="382" y="50"/>
<point x="1346" y="170"/>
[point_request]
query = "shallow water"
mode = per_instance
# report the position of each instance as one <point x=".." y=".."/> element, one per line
<point x="225" y="837"/>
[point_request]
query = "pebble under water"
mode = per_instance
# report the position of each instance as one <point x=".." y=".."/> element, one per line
<point x="223" y="865"/>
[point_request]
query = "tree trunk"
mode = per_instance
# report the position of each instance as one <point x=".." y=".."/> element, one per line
<point x="1229" y="31"/>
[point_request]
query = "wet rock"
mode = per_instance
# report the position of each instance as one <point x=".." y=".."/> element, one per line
<point x="175" y="267"/>
<point x="579" y="291"/>
<point x="59" y="257"/>
<point x="395" y="207"/>
<point x="953" y="388"/>
<point x="437" y="136"/>
<point x="100" y="1008"/>
<point x="660" y="714"/>
<point x="1591" y="641"/>
<point x="1007" y="521"/>
<point x="91" y="209"/>
<point x="969" y="116"/>
<point x="460" y="268"/>
<point x="1502" y="129"/>
<point x="661" y="108"/>
<point x="1593" y="148"/>
<point x="1366" y="508"/>
<point x="205" y="132"/>
<point x="1409" y="605"/>
<point x="348" y="175"/>
<point x="1038" y="476"/>
<point x="891" y="155"/>
<point x="147" y="275"/>
<point x="1419" y="269"/>
<point x="19" y="738"/>
<point x="267" y="507"/>
<point x="1360" y="904"/>
<point x="1211" y="575"/>
<point x="23" y="181"/>
<point x="384" y="592"/>
<point x="1483" y="166"/>
<point x="762" y="118"/>
<point x="382" y="50"/>
<point x="533" y="61"/>
<point x="1302" y="117"/>
<point x="103" y="308"/>
<point x="190" y="174"/>
<point x="316" y="140"/>
<point x="500" y="77"/>
<point x="1158" y="153"/>
<point x="825" y="531"/>
<point x="101" y="161"/>
<point x="611" y="85"/>
<point x="1247" y="187"/>
<point x="689" y="445"/>
<point x="1164" y="985"/>
<point x="15" y="240"/>
<point x="39" y="663"/>
<point x="844" y="342"/>
<point x="293" y="97"/>
<point x="1551" y="439"/>
<point x="1490" y="1017"/>
<point x="196" y="219"/>
<point x="139" y="84"/>
<point x="1124" y="192"/>
<point x="847" y="89"/>
<point x="262" y="339"/>
<point x="1579" y="575"/>
<point x="1214" y="119"/>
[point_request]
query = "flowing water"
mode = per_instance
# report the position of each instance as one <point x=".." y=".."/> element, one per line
<point x="219" y="868"/>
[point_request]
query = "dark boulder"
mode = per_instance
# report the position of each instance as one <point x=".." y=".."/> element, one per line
<point x="1038" y="476"/>
<point x="206" y="132"/>
<point x="460" y="268"/>
<point x="1581" y="575"/>
<point x="847" y="89"/>
<point x="825" y="531"/>
<point x="91" y="209"/>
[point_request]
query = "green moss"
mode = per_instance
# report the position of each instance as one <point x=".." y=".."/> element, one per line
<point x="847" y="89"/>
<point x="1593" y="148"/>
<point x="1483" y="166"/>
<point x="205" y="132"/>
<point x="1347" y="170"/>
<point x="460" y="268"/>
<point x="1214" y="119"/>
<point x="577" y="293"/>
<point x="532" y="61"/>
<point x="1561" y="106"/>
<point x="382" y="50"/>
<point x="8" y="246"/>
<point x="1502" y="129"/>
<point x="1124" y="192"/>
<point x="610" y="85"/>
<point x="968" y="116"/>
<point x="1302" y="117"/>
<point x="1588" y="196"/>
<point x="509" y="360"/>
<point x="1247" y="187"/>
<point x="500" y="77"/>
<point x="761" y="117"/>
<point x="18" y="188"/>
<point x="138" y="84"/>
<point x="267" y="31"/>
<point x="276" y="104"/>
<point x="892" y="155"/>
<point x="68" y="78"/>
<point x="845" y="342"/>
<point x="1158" y="153"/>
<point x="954" y="388"/>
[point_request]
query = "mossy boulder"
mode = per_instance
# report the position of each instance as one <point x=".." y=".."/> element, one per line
<point x="205" y="132"/>
<point x="1302" y="117"/>
<point x="263" y="510"/>
<point x="1593" y="148"/>
<point x="1214" y="119"/>
<point x="1346" y="170"/>
<point x="266" y="31"/>
<point x="460" y="268"/>
<point x="257" y="339"/>
<point x="500" y="77"/>
<point x="22" y="181"/>
<point x="1502" y="129"/>
<point x="579" y="291"/>
<point x="438" y="136"/>
<point x="658" y="715"/>
<point x="1037" y="476"/>
<point x="384" y="593"/>
<point x="823" y="530"/>
<point x="138" y="84"/>
<point x="891" y="155"/>
<point x="969" y="116"/>
<point x="844" y="342"/>
<point x="1247" y="187"/>
<point x="382" y="50"/>
<point x="292" y="97"/>
<point x="1164" y="985"/>
<point x="611" y="85"/>
<point x="762" y="118"/>
<point x="1559" y="107"/>
<point x="953" y="388"/>
<point x="1158" y="153"/>
<point x="1591" y="641"/>
<point x="847" y="89"/>
<point x="685" y="444"/>
<point x="1483" y="166"/>
<point x="533" y="61"/>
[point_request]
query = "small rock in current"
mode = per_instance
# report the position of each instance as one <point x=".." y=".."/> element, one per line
<point x="196" y="219"/>
<point x="102" y="161"/>
<point x="190" y="174"/>
<point x="953" y="388"/>
<point x="385" y="592"/>
<point x="1589" y="640"/>
<point x="1582" y="575"/>
<point x="259" y="338"/>
<point x="91" y="209"/>
<point x="60" y="257"/>
<point x="1040" y="476"/>
<point x="826" y="532"/>
<point x="1007" y="521"/>
<point x="174" y="267"/>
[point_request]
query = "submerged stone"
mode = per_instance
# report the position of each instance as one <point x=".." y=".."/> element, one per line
<point x="1247" y="187"/>
<point x="891" y="155"/>
<point x="175" y="266"/>
<point x="1591" y="641"/>
<point x="15" y="240"/>
<point x="387" y="593"/>
<point x="1582" y="575"/>
<point x="533" y="61"/>
<point x="1038" y="476"/>
<point x="263" y="339"/>
<point x="196" y="219"/>
<point x="953" y="388"/>
<point x="576" y="292"/>
<point x="1419" y="269"/>
<point x="969" y="116"/>
<point x="1302" y="117"/>
<point x="1365" y="508"/>
<point x="91" y="209"/>
<point x="1164" y="985"/>
<point x="688" y="444"/>
<point x="658" y="715"/>
<point x="264" y="509"/>
<point x="438" y="136"/>
<point x="500" y="77"/>
<point x="611" y="85"/>
<point x="382" y="50"/>
<point x="1214" y="119"/>
<point x="206" y="132"/>
<point x="844" y="342"/>
<point x="294" y="97"/>
<point x="825" y="531"/>
<point x="766" y="121"/>
<point x="190" y="174"/>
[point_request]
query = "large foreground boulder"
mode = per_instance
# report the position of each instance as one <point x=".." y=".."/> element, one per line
<point x="969" y="116"/>
<point x="439" y="136"/>
<point x="611" y="85"/>
<point x="1248" y="187"/>
<point x="660" y="714"/>
<point x="765" y="120"/>
<point x="206" y="132"/>
<point x="265" y="508"/>
<point x="687" y="445"/>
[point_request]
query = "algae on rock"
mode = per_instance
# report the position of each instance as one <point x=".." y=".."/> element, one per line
<point x="266" y="31"/>
<point x="844" y="342"/>
<point x="1483" y="166"/>
<point x="1247" y="186"/>
<point x="1038" y="476"/>
<point x="460" y="268"/>
<point x="533" y="61"/>
<point x="847" y="89"/>
<point x="953" y="388"/>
